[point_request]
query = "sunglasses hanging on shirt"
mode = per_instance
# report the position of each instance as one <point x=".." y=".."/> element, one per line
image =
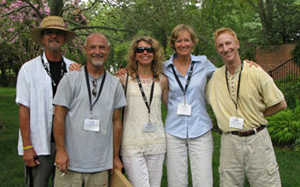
<point x="94" y="90"/>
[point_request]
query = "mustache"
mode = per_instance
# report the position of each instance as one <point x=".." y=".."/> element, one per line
<point x="54" y="40"/>
<point x="97" y="55"/>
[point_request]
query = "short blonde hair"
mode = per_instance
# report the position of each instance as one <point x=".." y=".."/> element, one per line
<point x="178" y="30"/>
<point x="156" y="66"/>
<point x="225" y="30"/>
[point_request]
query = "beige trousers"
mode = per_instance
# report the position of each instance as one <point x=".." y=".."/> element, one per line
<point x="75" y="179"/>
<point x="252" y="156"/>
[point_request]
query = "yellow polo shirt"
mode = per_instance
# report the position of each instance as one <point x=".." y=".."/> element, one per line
<point x="257" y="92"/>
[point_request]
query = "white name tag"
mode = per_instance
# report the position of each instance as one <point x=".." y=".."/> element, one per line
<point x="149" y="127"/>
<point x="91" y="125"/>
<point x="184" y="109"/>
<point x="236" y="122"/>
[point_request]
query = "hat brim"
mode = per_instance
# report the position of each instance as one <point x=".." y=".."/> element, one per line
<point x="36" y="34"/>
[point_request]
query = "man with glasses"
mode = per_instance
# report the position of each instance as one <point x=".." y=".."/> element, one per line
<point x="87" y="122"/>
<point x="36" y="87"/>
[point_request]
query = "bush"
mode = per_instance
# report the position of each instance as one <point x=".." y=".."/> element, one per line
<point x="291" y="92"/>
<point x="296" y="53"/>
<point x="284" y="127"/>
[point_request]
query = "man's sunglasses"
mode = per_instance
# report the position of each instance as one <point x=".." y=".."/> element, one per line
<point x="54" y="31"/>
<point x="142" y="49"/>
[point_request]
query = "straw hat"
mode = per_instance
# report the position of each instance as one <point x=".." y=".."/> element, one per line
<point x="51" y="22"/>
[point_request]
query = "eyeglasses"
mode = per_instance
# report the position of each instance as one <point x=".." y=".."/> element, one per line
<point x="94" y="90"/>
<point x="142" y="49"/>
<point x="54" y="31"/>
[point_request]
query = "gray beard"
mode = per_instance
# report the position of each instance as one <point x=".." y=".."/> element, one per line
<point x="97" y="62"/>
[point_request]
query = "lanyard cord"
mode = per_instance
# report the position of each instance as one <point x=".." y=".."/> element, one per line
<point x="187" y="81"/>
<point x="143" y="93"/>
<point x="48" y="69"/>
<point x="238" y="88"/>
<point x="89" y="88"/>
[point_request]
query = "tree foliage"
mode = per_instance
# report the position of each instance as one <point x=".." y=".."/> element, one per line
<point x="280" y="20"/>
<point x="255" y="21"/>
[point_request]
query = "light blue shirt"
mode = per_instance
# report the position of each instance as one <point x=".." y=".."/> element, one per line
<point x="199" y="122"/>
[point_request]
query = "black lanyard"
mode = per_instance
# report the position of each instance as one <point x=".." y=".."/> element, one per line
<point x="188" y="79"/>
<point x="89" y="88"/>
<point x="143" y="93"/>
<point x="238" y="88"/>
<point x="48" y="69"/>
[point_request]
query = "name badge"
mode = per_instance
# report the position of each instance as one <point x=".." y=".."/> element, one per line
<point x="92" y="125"/>
<point x="184" y="109"/>
<point x="149" y="127"/>
<point x="236" y="122"/>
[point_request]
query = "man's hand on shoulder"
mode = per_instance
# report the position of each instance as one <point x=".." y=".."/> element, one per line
<point x="252" y="63"/>
<point x="75" y="67"/>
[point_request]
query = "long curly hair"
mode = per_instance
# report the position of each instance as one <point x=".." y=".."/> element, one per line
<point x="156" y="66"/>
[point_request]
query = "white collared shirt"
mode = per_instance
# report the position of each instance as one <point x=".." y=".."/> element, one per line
<point x="34" y="90"/>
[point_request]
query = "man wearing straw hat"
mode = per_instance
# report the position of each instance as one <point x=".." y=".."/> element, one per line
<point x="36" y="86"/>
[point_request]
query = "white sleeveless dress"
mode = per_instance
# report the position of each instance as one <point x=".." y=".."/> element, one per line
<point x="135" y="142"/>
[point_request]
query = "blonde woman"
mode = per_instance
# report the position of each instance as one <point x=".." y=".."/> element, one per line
<point x="188" y="125"/>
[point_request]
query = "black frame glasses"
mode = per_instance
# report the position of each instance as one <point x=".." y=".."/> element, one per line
<point x="94" y="90"/>
<point x="142" y="49"/>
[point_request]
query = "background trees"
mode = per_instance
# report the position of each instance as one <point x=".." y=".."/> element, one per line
<point x="257" y="22"/>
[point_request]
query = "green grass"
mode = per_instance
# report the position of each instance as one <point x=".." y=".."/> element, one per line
<point x="12" y="167"/>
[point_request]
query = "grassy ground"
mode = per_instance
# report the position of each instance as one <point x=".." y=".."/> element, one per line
<point x="12" y="168"/>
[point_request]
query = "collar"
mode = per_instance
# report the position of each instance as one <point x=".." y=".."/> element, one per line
<point x="46" y="60"/>
<point x="237" y="71"/>
<point x="195" y="59"/>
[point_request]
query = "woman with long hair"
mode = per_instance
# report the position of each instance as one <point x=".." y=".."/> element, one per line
<point x="143" y="143"/>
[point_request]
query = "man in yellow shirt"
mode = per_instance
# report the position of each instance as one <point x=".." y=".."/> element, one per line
<point x="241" y="98"/>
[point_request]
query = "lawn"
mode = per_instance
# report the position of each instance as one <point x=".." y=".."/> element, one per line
<point x="12" y="168"/>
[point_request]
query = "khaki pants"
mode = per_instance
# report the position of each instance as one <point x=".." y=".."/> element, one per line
<point x="76" y="179"/>
<point x="252" y="156"/>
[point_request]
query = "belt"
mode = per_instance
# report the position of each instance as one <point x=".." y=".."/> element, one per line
<point x="248" y="132"/>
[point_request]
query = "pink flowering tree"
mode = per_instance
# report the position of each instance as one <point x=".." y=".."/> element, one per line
<point x="19" y="17"/>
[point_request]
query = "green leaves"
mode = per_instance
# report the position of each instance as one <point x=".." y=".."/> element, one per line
<point x="284" y="127"/>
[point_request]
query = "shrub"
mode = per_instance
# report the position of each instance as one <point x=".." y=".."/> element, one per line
<point x="291" y="92"/>
<point x="296" y="145"/>
<point x="284" y="127"/>
<point x="296" y="53"/>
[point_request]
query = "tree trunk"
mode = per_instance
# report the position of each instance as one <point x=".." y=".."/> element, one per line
<point x="56" y="7"/>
